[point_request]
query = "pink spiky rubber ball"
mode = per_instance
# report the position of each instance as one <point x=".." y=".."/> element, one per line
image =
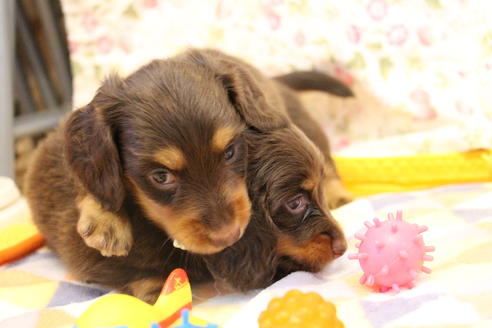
<point x="391" y="253"/>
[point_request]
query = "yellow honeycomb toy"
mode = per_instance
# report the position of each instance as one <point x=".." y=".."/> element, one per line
<point x="296" y="309"/>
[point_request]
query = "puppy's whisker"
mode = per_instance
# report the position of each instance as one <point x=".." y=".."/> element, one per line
<point x="164" y="243"/>
<point x="171" y="253"/>
<point x="187" y="259"/>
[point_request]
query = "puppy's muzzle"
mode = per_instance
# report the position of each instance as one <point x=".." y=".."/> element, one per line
<point x="226" y="236"/>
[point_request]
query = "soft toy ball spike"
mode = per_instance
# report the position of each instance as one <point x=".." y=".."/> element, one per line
<point x="391" y="253"/>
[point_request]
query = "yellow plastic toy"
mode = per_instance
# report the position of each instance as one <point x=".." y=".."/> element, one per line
<point x="296" y="309"/>
<point x="124" y="311"/>
<point x="18" y="235"/>
<point x="365" y="176"/>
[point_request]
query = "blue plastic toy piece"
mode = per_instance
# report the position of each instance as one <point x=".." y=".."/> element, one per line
<point x="185" y="314"/>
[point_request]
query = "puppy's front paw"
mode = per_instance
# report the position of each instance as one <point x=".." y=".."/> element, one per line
<point x="104" y="231"/>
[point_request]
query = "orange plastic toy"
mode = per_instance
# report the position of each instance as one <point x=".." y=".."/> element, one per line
<point x="296" y="309"/>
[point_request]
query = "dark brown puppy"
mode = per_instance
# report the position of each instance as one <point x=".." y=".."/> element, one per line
<point x="292" y="184"/>
<point x="112" y="230"/>
<point x="291" y="226"/>
<point x="156" y="157"/>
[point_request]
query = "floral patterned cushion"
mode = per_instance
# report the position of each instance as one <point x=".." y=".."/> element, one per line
<point x="416" y="67"/>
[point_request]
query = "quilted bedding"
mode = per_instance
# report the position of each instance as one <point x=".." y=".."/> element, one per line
<point x="37" y="291"/>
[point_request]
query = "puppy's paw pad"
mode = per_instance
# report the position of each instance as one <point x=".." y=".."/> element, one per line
<point x="111" y="236"/>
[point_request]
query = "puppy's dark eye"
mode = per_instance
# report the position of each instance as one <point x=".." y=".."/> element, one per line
<point x="229" y="152"/>
<point x="163" y="177"/>
<point x="297" y="205"/>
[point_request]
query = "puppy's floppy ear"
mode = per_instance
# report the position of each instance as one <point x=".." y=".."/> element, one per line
<point x="90" y="148"/>
<point x="254" y="96"/>
<point x="250" y="101"/>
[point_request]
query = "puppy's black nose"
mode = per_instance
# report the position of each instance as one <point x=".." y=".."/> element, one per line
<point x="338" y="247"/>
<point x="226" y="236"/>
<point x="338" y="242"/>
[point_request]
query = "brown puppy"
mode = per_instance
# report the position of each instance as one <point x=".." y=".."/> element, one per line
<point x="151" y="256"/>
<point x="292" y="185"/>
<point x="291" y="227"/>
<point x="154" y="158"/>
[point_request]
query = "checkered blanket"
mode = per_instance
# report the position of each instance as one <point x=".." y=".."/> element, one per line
<point x="37" y="292"/>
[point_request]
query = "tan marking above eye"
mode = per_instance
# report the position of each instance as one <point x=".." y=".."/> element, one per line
<point x="171" y="157"/>
<point x="308" y="184"/>
<point x="222" y="137"/>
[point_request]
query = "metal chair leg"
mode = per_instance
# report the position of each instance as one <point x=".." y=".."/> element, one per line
<point x="6" y="95"/>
